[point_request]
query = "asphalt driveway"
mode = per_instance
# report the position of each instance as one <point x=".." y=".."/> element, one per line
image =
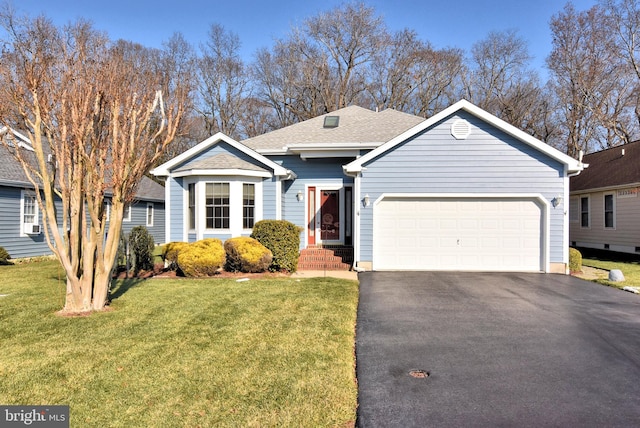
<point x="469" y="349"/>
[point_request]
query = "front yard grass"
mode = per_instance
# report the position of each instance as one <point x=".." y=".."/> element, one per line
<point x="630" y="270"/>
<point x="182" y="353"/>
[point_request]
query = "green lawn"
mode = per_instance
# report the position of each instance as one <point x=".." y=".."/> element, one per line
<point x="630" y="270"/>
<point x="182" y="353"/>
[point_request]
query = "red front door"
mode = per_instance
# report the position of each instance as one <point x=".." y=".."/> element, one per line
<point x="330" y="215"/>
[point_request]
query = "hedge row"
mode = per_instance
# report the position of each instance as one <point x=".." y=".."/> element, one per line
<point x="273" y="245"/>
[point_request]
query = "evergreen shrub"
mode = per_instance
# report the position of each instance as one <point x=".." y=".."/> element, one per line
<point x="202" y="258"/>
<point x="245" y="254"/>
<point x="575" y="260"/>
<point x="282" y="238"/>
<point x="4" y="255"/>
<point x="141" y="245"/>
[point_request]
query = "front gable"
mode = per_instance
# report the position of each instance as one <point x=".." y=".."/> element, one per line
<point x="216" y="145"/>
<point x="469" y="119"/>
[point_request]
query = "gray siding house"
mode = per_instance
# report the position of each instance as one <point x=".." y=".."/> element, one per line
<point x="605" y="205"/>
<point x="462" y="190"/>
<point x="21" y="221"/>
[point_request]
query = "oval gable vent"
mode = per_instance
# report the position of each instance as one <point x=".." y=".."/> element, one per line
<point x="460" y="129"/>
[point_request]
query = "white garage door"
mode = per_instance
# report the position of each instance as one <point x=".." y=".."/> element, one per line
<point x="474" y="234"/>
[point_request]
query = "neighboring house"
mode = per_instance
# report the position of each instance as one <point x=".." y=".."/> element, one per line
<point x="21" y="232"/>
<point x="462" y="190"/>
<point x="605" y="207"/>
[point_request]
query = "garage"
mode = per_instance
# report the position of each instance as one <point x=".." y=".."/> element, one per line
<point x="459" y="232"/>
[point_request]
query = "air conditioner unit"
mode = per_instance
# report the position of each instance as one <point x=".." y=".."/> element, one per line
<point x="32" y="229"/>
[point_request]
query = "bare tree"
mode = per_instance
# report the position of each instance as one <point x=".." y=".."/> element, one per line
<point x="224" y="82"/>
<point x="588" y="80"/>
<point x="624" y="20"/>
<point x="104" y="113"/>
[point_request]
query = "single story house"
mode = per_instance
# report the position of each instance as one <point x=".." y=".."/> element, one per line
<point x="462" y="190"/>
<point x="605" y="205"/>
<point x="21" y="220"/>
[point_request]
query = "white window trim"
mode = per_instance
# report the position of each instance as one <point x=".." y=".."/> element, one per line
<point x="107" y="207"/>
<point x="150" y="210"/>
<point x="23" y="225"/>
<point x="126" y="214"/>
<point x="604" y="211"/>
<point x="588" y="226"/>
<point x="235" y="205"/>
<point x="204" y="206"/>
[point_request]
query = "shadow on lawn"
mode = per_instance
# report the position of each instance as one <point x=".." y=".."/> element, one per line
<point x="121" y="286"/>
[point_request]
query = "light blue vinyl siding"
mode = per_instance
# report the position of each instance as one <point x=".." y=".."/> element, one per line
<point x="176" y="217"/>
<point x="221" y="148"/>
<point x="269" y="201"/>
<point x="488" y="161"/>
<point x="310" y="172"/>
<point x="139" y="218"/>
<point x="10" y="239"/>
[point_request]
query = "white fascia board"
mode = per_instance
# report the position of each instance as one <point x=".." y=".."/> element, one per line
<point x="164" y="169"/>
<point x="572" y="164"/>
<point x="221" y="172"/>
<point x="23" y="141"/>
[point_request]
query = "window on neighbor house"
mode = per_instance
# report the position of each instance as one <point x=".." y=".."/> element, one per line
<point x="150" y="214"/>
<point x="584" y="211"/>
<point x="107" y="209"/>
<point x="29" y="214"/>
<point x="127" y="213"/>
<point x="609" y="212"/>
<point x="217" y="205"/>
<point x="192" y="205"/>
<point x="248" y="205"/>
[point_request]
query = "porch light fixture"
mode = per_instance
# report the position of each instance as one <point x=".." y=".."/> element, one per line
<point x="365" y="200"/>
<point x="299" y="196"/>
<point x="556" y="201"/>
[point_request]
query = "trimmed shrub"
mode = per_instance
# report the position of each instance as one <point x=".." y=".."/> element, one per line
<point x="202" y="258"/>
<point x="575" y="260"/>
<point x="4" y="255"/>
<point x="171" y="251"/>
<point x="141" y="245"/>
<point x="282" y="238"/>
<point x="246" y="254"/>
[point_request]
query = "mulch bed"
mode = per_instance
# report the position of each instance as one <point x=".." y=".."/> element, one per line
<point x="160" y="272"/>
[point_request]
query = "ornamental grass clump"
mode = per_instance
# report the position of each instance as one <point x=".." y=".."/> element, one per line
<point x="202" y="258"/>
<point x="247" y="255"/>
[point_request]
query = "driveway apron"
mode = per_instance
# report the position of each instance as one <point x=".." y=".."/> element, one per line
<point x="506" y="349"/>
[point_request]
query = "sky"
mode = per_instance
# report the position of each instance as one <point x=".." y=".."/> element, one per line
<point x="443" y="23"/>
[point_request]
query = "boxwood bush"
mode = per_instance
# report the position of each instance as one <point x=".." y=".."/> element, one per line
<point x="575" y="260"/>
<point x="282" y="238"/>
<point x="202" y="258"/>
<point x="4" y="255"/>
<point x="246" y="254"/>
<point x="170" y="253"/>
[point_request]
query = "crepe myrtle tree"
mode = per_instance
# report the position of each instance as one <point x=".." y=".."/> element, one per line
<point x="97" y="113"/>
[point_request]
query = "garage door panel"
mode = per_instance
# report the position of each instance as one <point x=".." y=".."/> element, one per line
<point x="459" y="234"/>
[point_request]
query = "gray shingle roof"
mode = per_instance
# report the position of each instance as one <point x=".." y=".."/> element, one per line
<point x="609" y="168"/>
<point x="221" y="161"/>
<point x="357" y="125"/>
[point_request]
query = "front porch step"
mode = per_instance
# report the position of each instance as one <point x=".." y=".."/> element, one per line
<point x="328" y="258"/>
